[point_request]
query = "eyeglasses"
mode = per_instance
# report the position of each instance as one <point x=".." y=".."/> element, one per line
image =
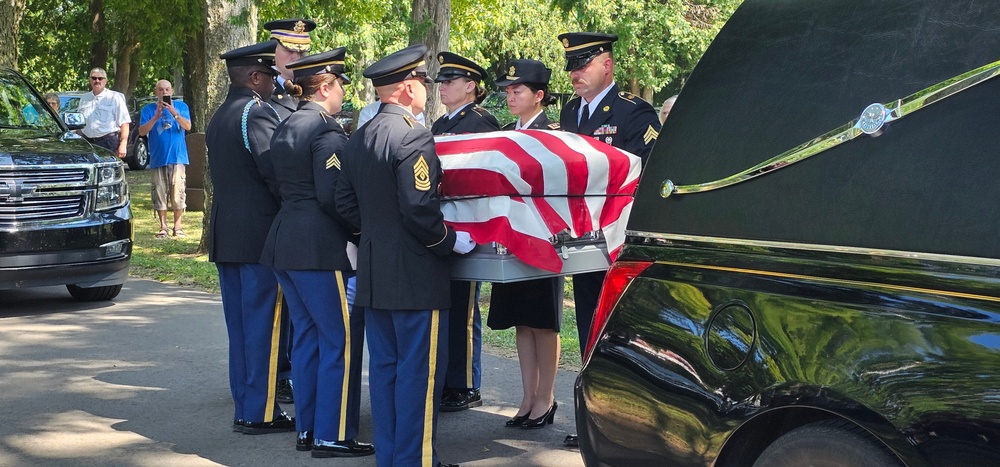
<point x="98" y="78"/>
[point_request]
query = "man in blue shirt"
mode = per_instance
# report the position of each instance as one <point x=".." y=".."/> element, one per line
<point x="163" y="123"/>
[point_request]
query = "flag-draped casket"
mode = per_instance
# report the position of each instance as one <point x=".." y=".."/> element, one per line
<point x="556" y="201"/>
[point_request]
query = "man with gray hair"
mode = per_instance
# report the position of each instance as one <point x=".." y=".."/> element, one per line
<point x="106" y="115"/>
<point x="164" y="124"/>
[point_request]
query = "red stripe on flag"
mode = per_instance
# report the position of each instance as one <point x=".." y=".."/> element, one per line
<point x="460" y="183"/>
<point x="577" y="174"/>
<point x="529" y="167"/>
<point x="534" y="251"/>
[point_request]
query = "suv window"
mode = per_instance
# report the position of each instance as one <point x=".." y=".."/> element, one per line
<point x="22" y="114"/>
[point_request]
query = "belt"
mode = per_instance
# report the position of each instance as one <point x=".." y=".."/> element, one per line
<point x="106" y="136"/>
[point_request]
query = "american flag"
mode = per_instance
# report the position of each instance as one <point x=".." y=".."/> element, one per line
<point x="520" y="188"/>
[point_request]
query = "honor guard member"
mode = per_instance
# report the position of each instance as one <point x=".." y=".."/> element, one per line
<point x="611" y="115"/>
<point x="308" y="248"/>
<point x="243" y="207"/>
<point x="388" y="189"/>
<point x="461" y="91"/>
<point x="293" y="39"/>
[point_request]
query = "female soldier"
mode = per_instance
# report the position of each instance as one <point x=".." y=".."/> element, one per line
<point x="461" y="90"/>
<point x="308" y="248"/>
<point x="533" y="307"/>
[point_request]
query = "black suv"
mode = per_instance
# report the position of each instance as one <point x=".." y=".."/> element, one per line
<point x="65" y="217"/>
<point x="812" y="269"/>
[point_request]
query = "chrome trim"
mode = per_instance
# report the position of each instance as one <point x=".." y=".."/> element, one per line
<point x="911" y="255"/>
<point x="871" y="122"/>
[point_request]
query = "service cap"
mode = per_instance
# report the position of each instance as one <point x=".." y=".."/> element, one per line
<point x="293" y="33"/>
<point x="261" y="53"/>
<point x="525" y="71"/>
<point x="400" y="65"/>
<point x="456" y="66"/>
<point x="582" y="47"/>
<point x="323" y="62"/>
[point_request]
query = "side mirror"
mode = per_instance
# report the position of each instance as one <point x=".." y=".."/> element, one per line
<point x="74" y="120"/>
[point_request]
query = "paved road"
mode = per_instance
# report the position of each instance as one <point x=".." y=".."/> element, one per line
<point x="142" y="381"/>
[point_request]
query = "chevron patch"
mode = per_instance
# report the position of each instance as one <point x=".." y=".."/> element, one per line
<point x="333" y="161"/>
<point x="650" y="135"/>
<point x="421" y="175"/>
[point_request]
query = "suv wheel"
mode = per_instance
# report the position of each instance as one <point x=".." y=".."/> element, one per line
<point x="140" y="157"/>
<point x="831" y="443"/>
<point x="94" y="294"/>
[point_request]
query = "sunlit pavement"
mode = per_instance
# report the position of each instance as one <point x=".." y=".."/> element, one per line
<point x="142" y="381"/>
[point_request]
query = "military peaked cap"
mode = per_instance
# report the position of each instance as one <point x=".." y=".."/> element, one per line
<point x="582" y="47"/>
<point x="261" y="53"/>
<point x="293" y="33"/>
<point x="456" y="66"/>
<point x="323" y="62"/>
<point x="400" y="65"/>
<point x="525" y="71"/>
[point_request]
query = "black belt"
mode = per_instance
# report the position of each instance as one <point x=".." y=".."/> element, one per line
<point x="116" y="134"/>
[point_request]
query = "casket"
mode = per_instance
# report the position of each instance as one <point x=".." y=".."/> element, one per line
<point x="539" y="203"/>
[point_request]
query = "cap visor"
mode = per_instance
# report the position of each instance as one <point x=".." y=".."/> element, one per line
<point x="576" y="63"/>
<point x="344" y="78"/>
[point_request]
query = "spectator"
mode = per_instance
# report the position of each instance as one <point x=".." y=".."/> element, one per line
<point x="164" y="123"/>
<point x="106" y="114"/>
<point x="665" y="110"/>
<point x="53" y="100"/>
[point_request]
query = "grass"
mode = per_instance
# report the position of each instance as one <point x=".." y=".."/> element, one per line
<point x="175" y="260"/>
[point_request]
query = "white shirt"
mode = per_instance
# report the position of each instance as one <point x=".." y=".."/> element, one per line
<point x="520" y="125"/>
<point x="105" y="113"/>
<point x="593" y="104"/>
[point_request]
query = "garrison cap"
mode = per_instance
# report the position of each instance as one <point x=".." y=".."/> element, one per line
<point x="400" y="65"/>
<point x="582" y="47"/>
<point x="261" y="53"/>
<point x="324" y="62"/>
<point x="456" y="66"/>
<point x="293" y="33"/>
<point x="525" y="71"/>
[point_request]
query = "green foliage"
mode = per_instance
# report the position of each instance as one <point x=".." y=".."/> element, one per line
<point x="54" y="45"/>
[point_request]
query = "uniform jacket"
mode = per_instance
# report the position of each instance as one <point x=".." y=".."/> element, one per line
<point x="540" y="123"/>
<point x="471" y="119"/>
<point x="308" y="232"/>
<point x="621" y="120"/>
<point x="388" y="189"/>
<point x="283" y="102"/>
<point x="243" y="203"/>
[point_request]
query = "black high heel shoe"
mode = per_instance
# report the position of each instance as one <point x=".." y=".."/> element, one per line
<point x="540" y="422"/>
<point x="517" y="420"/>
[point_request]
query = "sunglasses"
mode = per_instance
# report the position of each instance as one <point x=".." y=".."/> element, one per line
<point x="98" y="78"/>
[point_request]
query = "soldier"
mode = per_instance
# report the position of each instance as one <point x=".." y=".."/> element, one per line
<point x="610" y="115"/>
<point x="461" y="92"/>
<point x="292" y="36"/>
<point x="388" y="190"/>
<point x="243" y="206"/>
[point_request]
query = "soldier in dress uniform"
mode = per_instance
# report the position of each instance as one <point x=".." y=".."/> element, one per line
<point x="243" y="207"/>
<point x="388" y="191"/>
<point x="293" y="39"/>
<point x="602" y="110"/>
<point x="308" y="248"/>
<point x="292" y="36"/>
<point x="461" y="91"/>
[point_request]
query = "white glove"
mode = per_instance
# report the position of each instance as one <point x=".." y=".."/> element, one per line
<point x="463" y="243"/>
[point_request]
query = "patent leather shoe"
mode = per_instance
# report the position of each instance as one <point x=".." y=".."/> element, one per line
<point x="516" y="421"/>
<point x="572" y="441"/>
<point x="283" y="392"/>
<point x="540" y="422"/>
<point x="304" y="441"/>
<point x="238" y="425"/>
<point x="461" y="399"/>
<point x="282" y="423"/>
<point x="349" y="448"/>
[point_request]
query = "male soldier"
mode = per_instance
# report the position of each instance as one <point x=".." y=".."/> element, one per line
<point x="243" y="206"/>
<point x="294" y="42"/>
<point x="388" y="190"/>
<point x="610" y="115"/>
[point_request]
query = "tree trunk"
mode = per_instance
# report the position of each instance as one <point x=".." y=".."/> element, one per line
<point x="647" y="95"/>
<point x="127" y="53"/>
<point x="98" y="43"/>
<point x="228" y="24"/>
<point x="11" y="12"/>
<point x="431" y="27"/>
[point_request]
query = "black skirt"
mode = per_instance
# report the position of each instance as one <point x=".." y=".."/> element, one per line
<point x="536" y="304"/>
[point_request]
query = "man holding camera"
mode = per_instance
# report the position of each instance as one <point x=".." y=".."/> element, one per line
<point x="164" y="124"/>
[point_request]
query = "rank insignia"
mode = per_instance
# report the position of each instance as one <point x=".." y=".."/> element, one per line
<point x="421" y="175"/>
<point x="650" y="135"/>
<point x="333" y="161"/>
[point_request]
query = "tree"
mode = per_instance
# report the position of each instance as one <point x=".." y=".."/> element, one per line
<point x="431" y="27"/>
<point x="11" y="12"/>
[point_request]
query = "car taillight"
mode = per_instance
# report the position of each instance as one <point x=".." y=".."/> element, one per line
<point x="619" y="276"/>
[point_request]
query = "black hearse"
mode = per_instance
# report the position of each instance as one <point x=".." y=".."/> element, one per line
<point x="812" y="271"/>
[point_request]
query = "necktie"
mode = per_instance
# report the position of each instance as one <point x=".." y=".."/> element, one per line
<point x="586" y="115"/>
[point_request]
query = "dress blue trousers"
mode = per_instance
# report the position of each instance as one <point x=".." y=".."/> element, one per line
<point x="465" y="337"/>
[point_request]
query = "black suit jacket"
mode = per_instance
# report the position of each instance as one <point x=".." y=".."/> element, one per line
<point x="283" y="102"/>
<point x="308" y="232"/>
<point x="471" y="119"/>
<point x="388" y="188"/>
<point x="540" y="123"/>
<point x="243" y="203"/>
<point x="621" y="120"/>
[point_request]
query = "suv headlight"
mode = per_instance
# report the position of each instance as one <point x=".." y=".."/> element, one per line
<point x="112" y="189"/>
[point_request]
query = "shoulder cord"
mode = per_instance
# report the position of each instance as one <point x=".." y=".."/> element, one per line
<point x="246" y="114"/>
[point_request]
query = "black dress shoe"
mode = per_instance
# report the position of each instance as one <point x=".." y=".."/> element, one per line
<point x="447" y="465"/>
<point x="461" y="399"/>
<point x="304" y="441"/>
<point x="238" y="425"/>
<point x="572" y="441"/>
<point x="516" y="421"/>
<point x="349" y="448"/>
<point x="283" y="392"/>
<point x="540" y="422"/>
<point x="282" y="423"/>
